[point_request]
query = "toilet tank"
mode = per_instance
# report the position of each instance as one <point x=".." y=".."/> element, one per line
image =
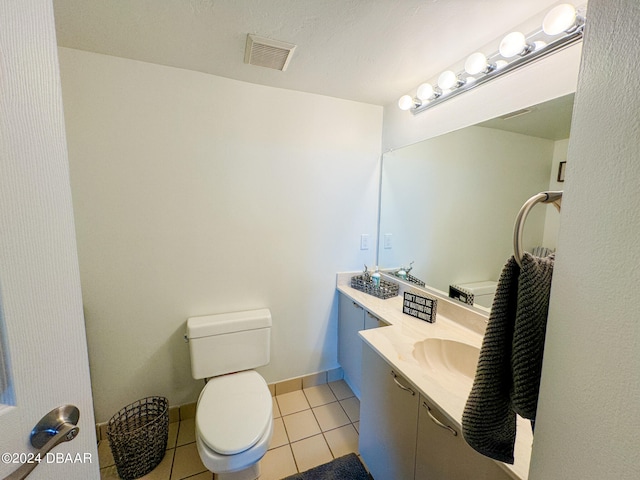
<point x="229" y="342"/>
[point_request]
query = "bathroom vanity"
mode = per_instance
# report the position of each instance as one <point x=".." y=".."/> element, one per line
<point x="413" y="379"/>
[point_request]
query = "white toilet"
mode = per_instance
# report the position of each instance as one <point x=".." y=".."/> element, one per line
<point x="234" y="414"/>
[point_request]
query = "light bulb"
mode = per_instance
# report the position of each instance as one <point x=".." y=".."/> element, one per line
<point x="447" y="80"/>
<point x="405" y="102"/>
<point x="425" y="91"/>
<point x="539" y="44"/>
<point x="512" y="45"/>
<point x="559" y="19"/>
<point x="476" y="63"/>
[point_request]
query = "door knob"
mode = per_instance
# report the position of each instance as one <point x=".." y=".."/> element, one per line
<point x="57" y="426"/>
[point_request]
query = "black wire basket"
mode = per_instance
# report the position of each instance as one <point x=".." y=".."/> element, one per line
<point x="138" y="436"/>
<point x="384" y="290"/>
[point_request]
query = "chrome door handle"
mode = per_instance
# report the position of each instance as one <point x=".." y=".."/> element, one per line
<point x="395" y="379"/>
<point x="57" y="426"/>
<point x="438" y="422"/>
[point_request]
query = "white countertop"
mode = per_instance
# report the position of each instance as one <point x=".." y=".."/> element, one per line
<point x="395" y="344"/>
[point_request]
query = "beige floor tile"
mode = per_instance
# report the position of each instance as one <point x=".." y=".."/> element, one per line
<point x="186" y="432"/>
<point x="163" y="470"/>
<point x="279" y="434"/>
<point x="292" y="402"/>
<point x="288" y="386"/>
<point x="173" y="435"/>
<point x="319" y="395"/>
<point x="277" y="463"/>
<point x="301" y="425"/>
<point x="109" y="473"/>
<point x="352" y="407"/>
<point x="186" y="462"/>
<point x="357" y="425"/>
<point x="311" y="452"/>
<point x="342" y="440"/>
<point x="187" y="411"/>
<point x="330" y="416"/>
<point x="174" y="414"/>
<point x="314" y="379"/>
<point x="341" y="390"/>
<point x="202" y="476"/>
<point x="276" y="409"/>
<point x="105" y="457"/>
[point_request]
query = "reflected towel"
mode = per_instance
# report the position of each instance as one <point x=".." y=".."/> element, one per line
<point x="507" y="378"/>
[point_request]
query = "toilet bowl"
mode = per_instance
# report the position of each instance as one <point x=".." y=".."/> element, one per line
<point x="234" y="413"/>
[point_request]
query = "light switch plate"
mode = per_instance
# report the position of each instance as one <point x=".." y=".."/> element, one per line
<point x="364" y="241"/>
<point x="387" y="241"/>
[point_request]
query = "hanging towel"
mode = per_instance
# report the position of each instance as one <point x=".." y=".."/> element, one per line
<point x="534" y="286"/>
<point x="507" y="378"/>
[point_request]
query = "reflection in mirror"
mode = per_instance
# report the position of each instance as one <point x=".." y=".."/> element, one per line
<point x="449" y="203"/>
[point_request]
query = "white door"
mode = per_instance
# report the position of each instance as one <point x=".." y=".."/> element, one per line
<point x="44" y="350"/>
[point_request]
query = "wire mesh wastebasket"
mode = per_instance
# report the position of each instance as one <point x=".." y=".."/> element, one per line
<point x="138" y="436"/>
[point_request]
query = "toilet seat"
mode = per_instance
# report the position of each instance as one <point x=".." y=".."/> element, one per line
<point x="234" y="412"/>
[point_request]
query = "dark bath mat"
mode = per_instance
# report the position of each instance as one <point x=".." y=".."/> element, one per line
<point x="348" y="467"/>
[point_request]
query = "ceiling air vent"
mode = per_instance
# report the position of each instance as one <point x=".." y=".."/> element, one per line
<point x="265" y="52"/>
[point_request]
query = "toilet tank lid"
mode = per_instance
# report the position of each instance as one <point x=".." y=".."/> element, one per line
<point x="222" y="323"/>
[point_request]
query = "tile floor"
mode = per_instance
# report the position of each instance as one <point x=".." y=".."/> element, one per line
<point x="311" y="427"/>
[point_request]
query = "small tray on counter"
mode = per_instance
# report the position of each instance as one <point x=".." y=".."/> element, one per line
<point x="384" y="290"/>
<point x="410" y="279"/>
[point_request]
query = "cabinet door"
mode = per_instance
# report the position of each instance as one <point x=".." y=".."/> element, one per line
<point x="388" y="420"/>
<point x="442" y="453"/>
<point x="350" y="322"/>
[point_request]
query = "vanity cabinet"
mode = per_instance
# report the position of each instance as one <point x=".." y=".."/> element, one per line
<point x="351" y="319"/>
<point x="388" y="420"/>
<point x="443" y="454"/>
<point x="404" y="436"/>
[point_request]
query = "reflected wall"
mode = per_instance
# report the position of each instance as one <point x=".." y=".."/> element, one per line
<point x="449" y="203"/>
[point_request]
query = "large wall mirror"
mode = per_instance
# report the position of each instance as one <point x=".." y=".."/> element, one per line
<point x="448" y="203"/>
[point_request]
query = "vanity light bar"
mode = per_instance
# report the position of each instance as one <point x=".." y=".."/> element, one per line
<point x="515" y="51"/>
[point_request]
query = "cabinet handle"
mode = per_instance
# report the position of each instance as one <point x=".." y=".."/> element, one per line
<point x="438" y="422"/>
<point x="357" y="306"/>
<point x="406" y="389"/>
<point x="373" y="316"/>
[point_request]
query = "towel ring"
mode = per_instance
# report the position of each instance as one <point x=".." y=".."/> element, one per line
<point x="542" y="197"/>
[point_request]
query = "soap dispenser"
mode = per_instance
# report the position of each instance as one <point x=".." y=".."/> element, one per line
<point x="375" y="277"/>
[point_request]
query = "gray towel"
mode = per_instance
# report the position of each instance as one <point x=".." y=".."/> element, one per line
<point x="507" y="379"/>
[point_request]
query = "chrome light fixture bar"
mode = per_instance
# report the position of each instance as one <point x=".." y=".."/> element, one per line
<point x="562" y="20"/>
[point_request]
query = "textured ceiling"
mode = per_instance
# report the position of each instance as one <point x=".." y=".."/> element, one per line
<point x="369" y="51"/>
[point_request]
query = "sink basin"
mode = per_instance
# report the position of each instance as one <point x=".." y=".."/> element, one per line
<point x="447" y="360"/>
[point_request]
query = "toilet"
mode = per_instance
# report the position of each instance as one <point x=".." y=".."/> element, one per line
<point x="234" y="413"/>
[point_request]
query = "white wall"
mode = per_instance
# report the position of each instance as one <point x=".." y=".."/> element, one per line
<point x="196" y="194"/>
<point x="450" y="202"/>
<point x="588" y="423"/>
